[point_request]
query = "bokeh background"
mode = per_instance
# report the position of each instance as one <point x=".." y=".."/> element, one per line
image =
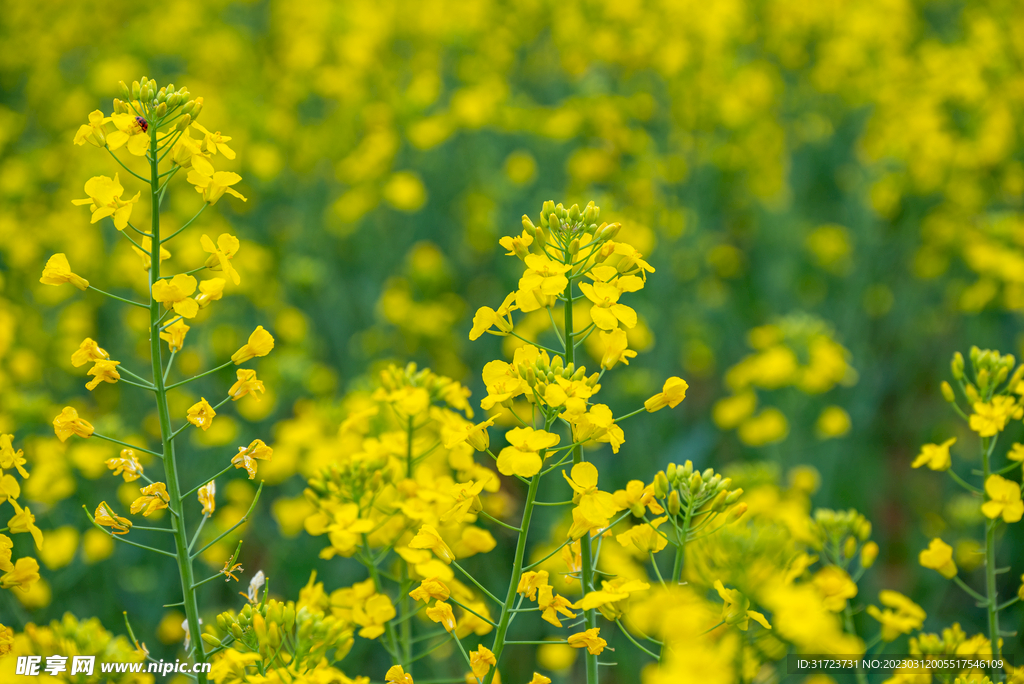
<point x="850" y="172"/>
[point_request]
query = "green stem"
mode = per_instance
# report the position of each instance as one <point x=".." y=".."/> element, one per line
<point x="517" y="570"/>
<point x="201" y="375"/>
<point x="587" y="579"/>
<point x="126" y="444"/>
<point x="392" y="646"/>
<point x="991" y="593"/>
<point x="120" y="299"/>
<point x="850" y="629"/>
<point x="181" y="541"/>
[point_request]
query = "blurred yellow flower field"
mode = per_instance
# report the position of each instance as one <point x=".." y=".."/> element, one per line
<point x="546" y="342"/>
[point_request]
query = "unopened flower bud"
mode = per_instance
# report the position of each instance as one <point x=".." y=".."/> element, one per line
<point x="574" y="247"/>
<point x="868" y="554"/>
<point x="733" y="496"/>
<point x="183" y="123"/>
<point x="957" y="366"/>
<point x="975" y="355"/>
<point x="947" y="392"/>
<point x="161" y="96"/>
<point x="119" y="107"/>
<point x="161" y="110"/>
<point x="983" y="379"/>
<point x="136" y="90"/>
<point x="972" y="393"/>
<point x="673" y="502"/>
<point x="211" y="640"/>
<point x="174" y="100"/>
<point x="574" y="213"/>
<point x="578" y="374"/>
<point x="735" y="513"/>
<point x="236" y="630"/>
<point x="850" y="547"/>
<point x="554" y="223"/>
<point x="671" y="471"/>
<point x="686" y="469"/>
<point x="695" y="483"/>
<point x="591" y="213"/>
<point x="609" y="230"/>
<point x="661" y="486"/>
<point x="718" y="503"/>
<point x="546" y="209"/>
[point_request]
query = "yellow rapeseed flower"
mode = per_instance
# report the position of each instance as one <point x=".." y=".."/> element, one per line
<point x="103" y="370"/>
<point x="88" y="352"/>
<point x="58" y="271"/>
<point x="68" y="423"/>
<point x="935" y="456"/>
<point x="154" y="497"/>
<point x="176" y="293"/>
<point x="442" y="613"/>
<point x="431" y="588"/>
<point x="221" y="254"/>
<point x="24" y="574"/>
<point x="901" y="616"/>
<point x="260" y="344"/>
<point x="429" y="538"/>
<point x="1004" y="499"/>
<point x="106" y="517"/>
<point x="939" y="556"/>
<point x="247" y="383"/>
<point x="24" y="522"/>
<point x="672" y="392"/>
<point x="247" y="456"/>
<point x="990" y="417"/>
<point x="481" y="660"/>
<point x="522" y="457"/>
<point x="201" y="414"/>
<point x="174" y="335"/>
<point x="207" y="497"/>
<point x="126" y="465"/>
<point x="397" y="675"/>
<point x="104" y="196"/>
<point x="213" y="186"/>
<point x="590" y="640"/>
<point x="93" y="132"/>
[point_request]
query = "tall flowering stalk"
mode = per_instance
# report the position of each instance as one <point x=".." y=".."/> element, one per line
<point x="155" y="124"/>
<point x="994" y="389"/>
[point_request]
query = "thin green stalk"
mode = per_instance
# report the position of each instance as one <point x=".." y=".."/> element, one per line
<point x="587" y="579"/>
<point x="120" y="299"/>
<point x="184" y="559"/>
<point x="392" y="646"/>
<point x="991" y="593"/>
<point x="517" y="570"/>
<point x="862" y="678"/>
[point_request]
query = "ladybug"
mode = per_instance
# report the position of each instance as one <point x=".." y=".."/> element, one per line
<point x="142" y="123"/>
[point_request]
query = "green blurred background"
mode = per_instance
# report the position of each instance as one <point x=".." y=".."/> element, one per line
<point x="851" y="169"/>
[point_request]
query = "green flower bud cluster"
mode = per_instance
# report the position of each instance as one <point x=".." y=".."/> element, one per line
<point x="439" y="388"/>
<point x="844" y="530"/>
<point x="690" y="490"/>
<point x="156" y="103"/>
<point x="544" y="370"/>
<point x="301" y="637"/>
<point x="568" y="226"/>
<point x="935" y="644"/>
<point x="360" y="480"/>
